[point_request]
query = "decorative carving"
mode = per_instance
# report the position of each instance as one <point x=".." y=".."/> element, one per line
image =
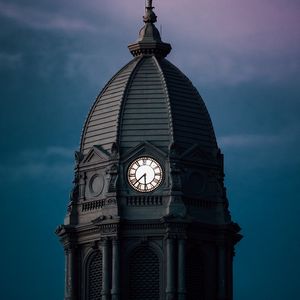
<point x="114" y="151"/>
<point x="170" y="236"/>
<point x="144" y="241"/>
<point x="60" y="229"/>
<point x="173" y="151"/>
<point x="109" y="229"/>
<point x="143" y="227"/>
<point x="94" y="245"/>
<point x="112" y="177"/>
<point x="176" y="207"/>
<point x="74" y="194"/>
<point x="176" y="230"/>
<point x="78" y="157"/>
<point x="82" y="185"/>
<point x="110" y="201"/>
<point x="176" y="183"/>
<point x="106" y="228"/>
<point x="98" y="221"/>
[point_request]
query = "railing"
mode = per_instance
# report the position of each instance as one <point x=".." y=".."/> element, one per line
<point x="144" y="200"/>
<point x="196" y="202"/>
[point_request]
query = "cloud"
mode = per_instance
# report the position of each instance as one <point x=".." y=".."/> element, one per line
<point x="36" y="170"/>
<point x="251" y="151"/>
<point x="287" y="137"/>
<point x="228" y="41"/>
<point x="50" y="152"/>
<point x="43" y="20"/>
<point x="52" y="163"/>
<point x="249" y="140"/>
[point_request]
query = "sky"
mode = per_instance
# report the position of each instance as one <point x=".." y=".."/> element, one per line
<point x="244" y="58"/>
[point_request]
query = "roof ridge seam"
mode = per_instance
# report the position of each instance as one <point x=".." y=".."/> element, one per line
<point x="163" y="78"/>
<point x="87" y="119"/>
<point x="125" y="93"/>
<point x="198" y="95"/>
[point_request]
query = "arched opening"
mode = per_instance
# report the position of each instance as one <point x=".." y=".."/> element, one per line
<point x="144" y="274"/>
<point x="94" y="276"/>
<point x="194" y="274"/>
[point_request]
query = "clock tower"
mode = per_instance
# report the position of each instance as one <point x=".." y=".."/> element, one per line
<point x="148" y="216"/>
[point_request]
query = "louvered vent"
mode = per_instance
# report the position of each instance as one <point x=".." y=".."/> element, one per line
<point x="95" y="277"/>
<point x="194" y="278"/>
<point x="144" y="274"/>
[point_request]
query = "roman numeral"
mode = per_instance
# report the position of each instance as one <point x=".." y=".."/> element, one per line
<point x="134" y="181"/>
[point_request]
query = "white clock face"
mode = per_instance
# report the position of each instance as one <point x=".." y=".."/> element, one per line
<point x="145" y="174"/>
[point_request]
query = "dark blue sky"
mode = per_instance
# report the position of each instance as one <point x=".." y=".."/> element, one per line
<point x="242" y="55"/>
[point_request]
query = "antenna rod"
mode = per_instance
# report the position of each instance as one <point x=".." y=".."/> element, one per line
<point x="149" y="4"/>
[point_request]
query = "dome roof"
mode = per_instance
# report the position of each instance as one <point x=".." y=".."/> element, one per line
<point x="148" y="100"/>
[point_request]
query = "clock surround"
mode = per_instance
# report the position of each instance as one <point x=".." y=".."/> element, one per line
<point x="144" y="174"/>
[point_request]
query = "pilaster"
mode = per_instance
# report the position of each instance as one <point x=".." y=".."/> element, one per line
<point x="181" y="269"/>
<point x="170" y="288"/>
<point x="115" y="291"/>
<point x="71" y="273"/>
<point x="105" y="269"/>
<point x="222" y="271"/>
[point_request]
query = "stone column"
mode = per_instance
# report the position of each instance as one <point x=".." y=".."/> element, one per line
<point x="105" y="269"/>
<point x="66" y="274"/>
<point x="230" y="255"/>
<point x="170" y="289"/>
<point x="181" y="269"/>
<point x="70" y="291"/>
<point x="222" y="273"/>
<point x="115" y="291"/>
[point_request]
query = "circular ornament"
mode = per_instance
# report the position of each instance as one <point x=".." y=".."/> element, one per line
<point x="96" y="184"/>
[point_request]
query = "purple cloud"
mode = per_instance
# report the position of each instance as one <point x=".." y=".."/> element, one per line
<point x="225" y="42"/>
<point x="229" y="41"/>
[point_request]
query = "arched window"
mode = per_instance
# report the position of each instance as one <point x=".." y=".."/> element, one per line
<point x="94" y="276"/>
<point x="194" y="274"/>
<point x="144" y="274"/>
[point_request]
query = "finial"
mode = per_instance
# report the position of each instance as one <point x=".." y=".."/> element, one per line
<point x="149" y="41"/>
<point x="150" y="16"/>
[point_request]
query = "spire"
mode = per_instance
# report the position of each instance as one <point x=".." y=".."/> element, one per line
<point x="149" y="41"/>
<point x="149" y="16"/>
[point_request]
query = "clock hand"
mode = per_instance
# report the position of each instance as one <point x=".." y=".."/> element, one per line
<point x="138" y="180"/>
<point x="145" y="187"/>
